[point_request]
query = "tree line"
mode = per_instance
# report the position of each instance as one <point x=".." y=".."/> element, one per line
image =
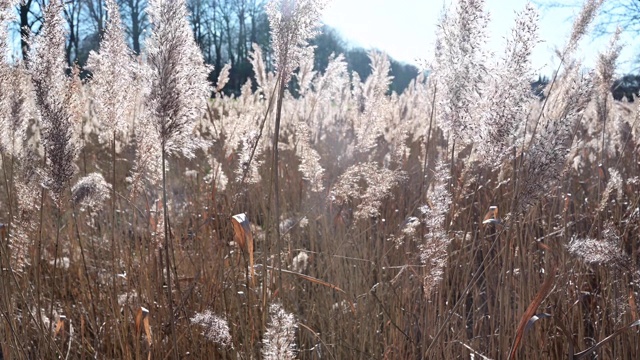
<point x="224" y="29"/>
<point x="626" y="87"/>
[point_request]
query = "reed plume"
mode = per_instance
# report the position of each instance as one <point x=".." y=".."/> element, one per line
<point x="47" y="66"/>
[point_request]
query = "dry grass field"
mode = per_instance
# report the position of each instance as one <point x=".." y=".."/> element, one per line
<point x="147" y="215"/>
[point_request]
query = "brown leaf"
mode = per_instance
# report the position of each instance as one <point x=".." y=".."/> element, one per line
<point x="154" y="216"/>
<point x="491" y="217"/>
<point x="147" y="327"/>
<point x="142" y="320"/>
<point x="531" y="310"/>
<point x="632" y="305"/>
<point x="241" y="228"/>
<point x="59" y="326"/>
<point x="138" y="322"/>
<point x="244" y="238"/>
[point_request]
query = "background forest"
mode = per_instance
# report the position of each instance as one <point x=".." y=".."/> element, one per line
<point x="224" y="30"/>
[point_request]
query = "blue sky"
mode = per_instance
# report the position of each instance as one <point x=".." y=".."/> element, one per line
<point x="405" y="29"/>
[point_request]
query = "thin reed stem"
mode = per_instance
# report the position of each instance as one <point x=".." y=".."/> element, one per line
<point x="275" y="174"/>
<point x="167" y="245"/>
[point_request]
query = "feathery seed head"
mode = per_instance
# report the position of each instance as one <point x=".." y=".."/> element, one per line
<point x="369" y="184"/>
<point x="52" y="94"/>
<point x="279" y="339"/>
<point x="113" y="68"/>
<point x="90" y="191"/>
<point x="215" y="328"/>
<point x="179" y="77"/>
<point x="587" y="14"/>
<point x="292" y="23"/>
<point x="606" y="251"/>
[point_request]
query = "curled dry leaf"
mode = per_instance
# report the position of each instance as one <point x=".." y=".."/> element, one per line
<point x="535" y="318"/>
<point x="545" y="289"/>
<point x="142" y="320"/>
<point x="59" y="330"/>
<point x="243" y="237"/>
<point x="492" y="216"/>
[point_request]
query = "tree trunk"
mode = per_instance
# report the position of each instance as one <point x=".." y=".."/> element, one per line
<point x="24" y="28"/>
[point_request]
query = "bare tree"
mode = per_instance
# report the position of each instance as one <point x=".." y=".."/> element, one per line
<point x="135" y="18"/>
<point x="71" y="11"/>
<point x="30" y="19"/>
<point x="623" y="13"/>
<point x="613" y="14"/>
<point x="240" y="9"/>
<point x="95" y="14"/>
<point x="229" y="27"/>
